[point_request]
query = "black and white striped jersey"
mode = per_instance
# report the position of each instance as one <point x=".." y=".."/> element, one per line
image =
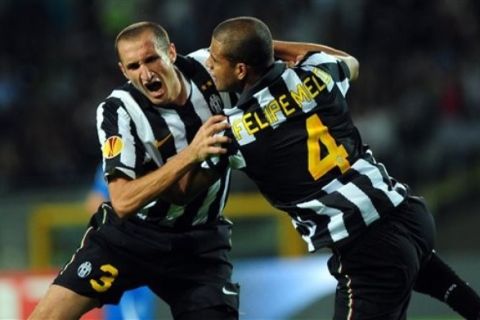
<point x="295" y="139"/>
<point x="137" y="137"/>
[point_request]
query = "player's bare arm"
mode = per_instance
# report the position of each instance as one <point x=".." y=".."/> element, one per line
<point x="128" y="196"/>
<point x="293" y="51"/>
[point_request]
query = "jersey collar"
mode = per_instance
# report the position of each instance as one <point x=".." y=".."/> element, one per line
<point x="270" y="76"/>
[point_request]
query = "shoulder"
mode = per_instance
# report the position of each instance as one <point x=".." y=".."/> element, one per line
<point x="113" y="107"/>
<point x="326" y="67"/>
<point x="344" y="66"/>
<point x="193" y="64"/>
<point x="318" y="58"/>
<point x="200" y="55"/>
<point x="124" y="96"/>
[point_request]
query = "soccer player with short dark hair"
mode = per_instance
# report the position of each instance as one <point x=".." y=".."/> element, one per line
<point x="152" y="130"/>
<point x="294" y="137"/>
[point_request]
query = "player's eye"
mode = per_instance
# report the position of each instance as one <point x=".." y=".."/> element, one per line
<point x="133" y="66"/>
<point x="151" y="59"/>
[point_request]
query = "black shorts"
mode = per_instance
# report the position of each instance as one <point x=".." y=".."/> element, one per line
<point x="189" y="270"/>
<point x="376" y="272"/>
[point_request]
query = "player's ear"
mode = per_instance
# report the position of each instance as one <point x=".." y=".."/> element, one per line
<point x="172" y="52"/>
<point x="122" y="68"/>
<point x="241" y="70"/>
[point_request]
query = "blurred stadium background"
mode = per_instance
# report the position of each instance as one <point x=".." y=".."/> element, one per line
<point x="417" y="103"/>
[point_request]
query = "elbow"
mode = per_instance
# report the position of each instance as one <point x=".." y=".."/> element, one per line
<point x="180" y="202"/>
<point x="354" y="69"/>
<point x="179" y="197"/>
<point x="122" y="209"/>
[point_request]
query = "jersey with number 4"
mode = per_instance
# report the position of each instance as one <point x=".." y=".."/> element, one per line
<point x="295" y="139"/>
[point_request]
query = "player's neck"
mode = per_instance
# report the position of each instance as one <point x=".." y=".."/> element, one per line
<point x="253" y="78"/>
<point x="184" y="91"/>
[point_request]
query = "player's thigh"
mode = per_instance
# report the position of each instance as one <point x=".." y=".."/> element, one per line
<point x="201" y="283"/>
<point x="101" y="270"/>
<point x="376" y="275"/>
<point x="190" y="300"/>
<point x="213" y="313"/>
<point x="62" y="303"/>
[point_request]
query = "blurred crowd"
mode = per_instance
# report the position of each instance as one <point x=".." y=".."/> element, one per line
<point x="417" y="101"/>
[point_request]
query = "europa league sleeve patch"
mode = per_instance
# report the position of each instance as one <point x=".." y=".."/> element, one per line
<point x="112" y="147"/>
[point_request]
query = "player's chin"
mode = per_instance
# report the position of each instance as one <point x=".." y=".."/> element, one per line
<point x="221" y="86"/>
<point x="157" y="100"/>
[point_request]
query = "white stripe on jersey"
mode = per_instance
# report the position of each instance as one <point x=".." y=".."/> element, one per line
<point x="322" y="58"/>
<point x="264" y="97"/>
<point x="336" y="225"/>
<point x="174" y="211"/>
<point x="361" y="201"/>
<point x="292" y="80"/>
<point x="319" y="58"/>
<point x="343" y="86"/>
<point x="237" y="161"/>
<point x="101" y="134"/>
<point x="144" y="129"/>
<point x="201" y="55"/>
<point x="356" y="196"/>
<point x="373" y="173"/>
<point x="176" y="127"/>
<point x="202" y="214"/>
<point x="235" y="116"/>
<point x="128" y="154"/>
<point x="308" y="225"/>
<point x="223" y="200"/>
<point x="370" y="171"/>
<point x="325" y="77"/>
<point x="199" y="104"/>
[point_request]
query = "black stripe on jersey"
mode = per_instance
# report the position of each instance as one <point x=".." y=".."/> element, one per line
<point x="190" y="119"/>
<point x="352" y="216"/>
<point x="342" y="72"/>
<point x="214" y="210"/>
<point x="161" y="131"/>
<point x="233" y="98"/>
<point x="380" y="200"/>
<point x="305" y="57"/>
<point x="217" y="205"/>
<point x="385" y="177"/>
<point x="110" y="127"/>
<point x="320" y="220"/>
<point x="325" y="98"/>
<point x="157" y="123"/>
<point x="200" y="76"/>
<point x="190" y="211"/>
<point x="280" y="88"/>
<point x="338" y="70"/>
<point x="250" y="104"/>
<point x="352" y="219"/>
<point x="158" y="212"/>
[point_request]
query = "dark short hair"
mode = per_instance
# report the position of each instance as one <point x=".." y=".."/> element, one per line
<point x="247" y="40"/>
<point x="134" y="30"/>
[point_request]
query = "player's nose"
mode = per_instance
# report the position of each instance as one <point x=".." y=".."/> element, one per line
<point x="208" y="63"/>
<point x="145" y="73"/>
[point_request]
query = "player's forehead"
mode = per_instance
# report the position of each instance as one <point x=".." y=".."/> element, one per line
<point x="217" y="49"/>
<point x="137" y="47"/>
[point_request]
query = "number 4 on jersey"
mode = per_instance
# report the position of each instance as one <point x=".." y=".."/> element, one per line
<point x="336" y="154"/>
